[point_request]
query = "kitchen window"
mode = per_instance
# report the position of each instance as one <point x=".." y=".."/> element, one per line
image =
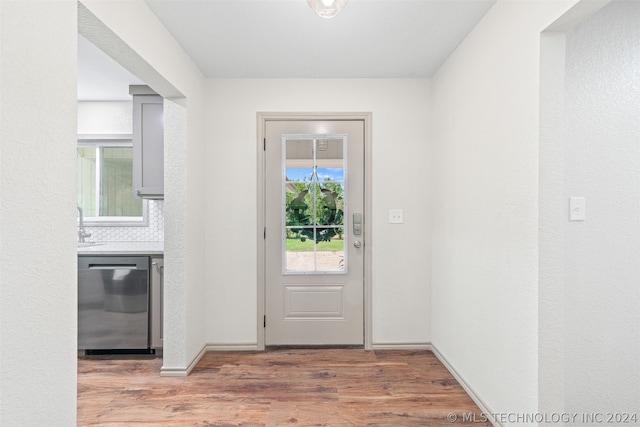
<point x="105" y="181"/>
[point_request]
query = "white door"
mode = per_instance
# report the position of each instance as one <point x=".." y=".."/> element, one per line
<point x="314" y="255"/>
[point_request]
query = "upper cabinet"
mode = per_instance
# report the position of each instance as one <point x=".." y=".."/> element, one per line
<point x="148" y="143"/>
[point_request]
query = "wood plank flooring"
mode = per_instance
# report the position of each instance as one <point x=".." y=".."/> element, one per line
<point x="288" y="387"/>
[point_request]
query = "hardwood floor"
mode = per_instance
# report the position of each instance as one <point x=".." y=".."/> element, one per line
<point x="292" y="387"/>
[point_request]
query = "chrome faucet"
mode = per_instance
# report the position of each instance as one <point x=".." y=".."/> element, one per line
<point x="82" y="234"/>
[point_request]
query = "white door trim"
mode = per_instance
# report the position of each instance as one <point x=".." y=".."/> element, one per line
<point x="262" y="118"/>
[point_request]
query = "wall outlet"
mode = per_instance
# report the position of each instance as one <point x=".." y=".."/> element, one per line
<point x="395" y="216"/>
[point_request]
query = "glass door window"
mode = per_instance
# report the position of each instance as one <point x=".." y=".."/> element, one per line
<point x="314" y="207"/>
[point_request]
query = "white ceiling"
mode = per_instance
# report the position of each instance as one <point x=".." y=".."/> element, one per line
<point x="285" y="39"/>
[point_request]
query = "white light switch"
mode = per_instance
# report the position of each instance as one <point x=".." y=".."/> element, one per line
<point x="395" y="216"/>
<point x="577" y="208"/>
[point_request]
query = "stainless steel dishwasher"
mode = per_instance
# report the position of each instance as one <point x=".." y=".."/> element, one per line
<point x="113" y="303"/>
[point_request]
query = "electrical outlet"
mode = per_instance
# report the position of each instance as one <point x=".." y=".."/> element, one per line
<point x="395" y="216"/>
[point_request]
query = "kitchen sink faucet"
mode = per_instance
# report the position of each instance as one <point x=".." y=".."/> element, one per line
<point x="82" y="234"/>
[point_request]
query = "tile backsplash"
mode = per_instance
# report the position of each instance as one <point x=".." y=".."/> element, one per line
<point x="153" y="232"/>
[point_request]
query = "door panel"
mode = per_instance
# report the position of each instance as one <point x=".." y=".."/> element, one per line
<point x="313" y="302"/>
<point x="314" y="263"/>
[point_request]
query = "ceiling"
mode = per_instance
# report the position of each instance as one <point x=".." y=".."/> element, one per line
<point x="285" y="39"/>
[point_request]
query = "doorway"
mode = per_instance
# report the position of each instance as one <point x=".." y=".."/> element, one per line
<point x="314" y="231"/>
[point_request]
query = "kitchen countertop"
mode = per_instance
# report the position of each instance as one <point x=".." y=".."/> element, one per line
<point x="122" y="248"/>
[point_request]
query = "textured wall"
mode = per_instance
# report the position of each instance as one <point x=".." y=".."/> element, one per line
<point x="552" y="210"/>
<point x="38" y="301"/>
<point x="401" y="158"/>
<point x="485" y="221"/>
<point x="601" y="254"/>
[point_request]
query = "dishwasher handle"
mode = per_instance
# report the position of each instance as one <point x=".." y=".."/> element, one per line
<point x="112" y="267"/>
<point x="113" y="262"/>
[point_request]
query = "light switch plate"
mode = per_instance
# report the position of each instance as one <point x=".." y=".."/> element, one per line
<point x="395" y="216"/>
<point x="577" y="209"/>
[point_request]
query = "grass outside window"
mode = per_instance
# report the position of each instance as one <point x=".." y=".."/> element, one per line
<point x="296" y="245"/>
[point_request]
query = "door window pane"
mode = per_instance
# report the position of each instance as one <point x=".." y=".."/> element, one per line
<point x="314" y="204"/>
<point x="299" y="155"/>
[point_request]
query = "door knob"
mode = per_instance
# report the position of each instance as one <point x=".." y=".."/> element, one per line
<point x="357" y="244"/>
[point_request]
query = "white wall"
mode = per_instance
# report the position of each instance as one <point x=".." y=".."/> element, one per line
<point x="602" y="163"/>
<point x="102" y="117"/>
<point x="401" y="179"/>
<point x="485" y="222"/>
<point x="552" y="216"/>
<point x="38" y="300"/>
<point x="597" y="156"/>
<point x="157" y="59"/>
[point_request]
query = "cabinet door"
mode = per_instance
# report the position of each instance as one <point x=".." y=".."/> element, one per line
<point x="148" y="146"/>
<point x="157" y="306"/>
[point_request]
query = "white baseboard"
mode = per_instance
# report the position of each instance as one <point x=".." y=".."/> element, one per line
<point x="484" y="408"/>
<point x="401" y="346"/>
<point x="232" y="347"/>
<point x="183" y="372"/>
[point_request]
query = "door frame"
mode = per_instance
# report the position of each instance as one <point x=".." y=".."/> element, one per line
<point x="262" y="119"/>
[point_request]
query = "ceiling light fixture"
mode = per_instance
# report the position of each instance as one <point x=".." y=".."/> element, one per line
<point x="327" y="8"/>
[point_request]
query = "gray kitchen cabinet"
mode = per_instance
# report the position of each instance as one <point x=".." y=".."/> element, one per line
<point x="148" y="143"/>
<point x="157" y="306"/>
